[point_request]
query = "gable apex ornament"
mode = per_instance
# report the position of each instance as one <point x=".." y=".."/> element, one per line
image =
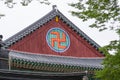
<point x="54" y="7"/>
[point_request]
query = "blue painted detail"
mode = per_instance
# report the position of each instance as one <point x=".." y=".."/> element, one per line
<point x="58" y="40"/>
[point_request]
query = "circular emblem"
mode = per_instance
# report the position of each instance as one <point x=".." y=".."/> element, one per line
<point x="58" y="40"/>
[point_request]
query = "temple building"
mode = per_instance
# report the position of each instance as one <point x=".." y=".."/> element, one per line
<point x="52" y="48"/>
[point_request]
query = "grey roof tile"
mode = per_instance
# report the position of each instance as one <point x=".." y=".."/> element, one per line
<point x="72" y="61"/>
<point x="44" y="20"/>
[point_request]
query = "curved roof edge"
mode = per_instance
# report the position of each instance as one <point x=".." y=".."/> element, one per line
<point x="60" y="60"/>
<point x="44" y="20"/>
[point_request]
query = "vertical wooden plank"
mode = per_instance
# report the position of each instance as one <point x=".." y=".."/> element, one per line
<point x="36" y="42"/>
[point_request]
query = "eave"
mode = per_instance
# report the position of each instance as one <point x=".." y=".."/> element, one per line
<point x="41" y="62"/>
<point x="38" y="24"/>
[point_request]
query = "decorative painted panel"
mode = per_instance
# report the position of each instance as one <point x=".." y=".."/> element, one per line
<point x="56" y="38"/>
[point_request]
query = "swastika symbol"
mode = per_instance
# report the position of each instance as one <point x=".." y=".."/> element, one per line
<point x="58" y="40"/>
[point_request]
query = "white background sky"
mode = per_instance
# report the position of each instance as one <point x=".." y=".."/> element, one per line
<point x="20" y="17"/>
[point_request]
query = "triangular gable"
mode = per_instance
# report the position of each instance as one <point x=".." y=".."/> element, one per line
<point x="80" y="44"/>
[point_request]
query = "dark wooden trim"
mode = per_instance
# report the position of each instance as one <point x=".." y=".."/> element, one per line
<point x="22" y="75"/>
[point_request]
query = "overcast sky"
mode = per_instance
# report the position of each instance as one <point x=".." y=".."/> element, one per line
<point x="20" y="17"/>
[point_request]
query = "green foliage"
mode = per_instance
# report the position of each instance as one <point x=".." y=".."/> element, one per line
<point x="105" y="13"/>
<point x="111" y="63"/>
<point x="26" y="2"/>
<point x="11" y="3"/>
<point x="102" y="11"/>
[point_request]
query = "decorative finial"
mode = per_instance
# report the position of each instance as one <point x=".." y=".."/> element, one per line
<point x="54" y="7"/>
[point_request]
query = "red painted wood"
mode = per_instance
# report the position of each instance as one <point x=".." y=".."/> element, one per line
<point x="36" y="42"/>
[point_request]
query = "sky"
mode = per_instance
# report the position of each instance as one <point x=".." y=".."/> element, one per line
<point x="20" y="17"/>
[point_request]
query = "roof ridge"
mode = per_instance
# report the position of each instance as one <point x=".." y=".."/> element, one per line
<point x="30" y="28"/>
<point x="79" y="30"/>
<point x="42" y="21"/>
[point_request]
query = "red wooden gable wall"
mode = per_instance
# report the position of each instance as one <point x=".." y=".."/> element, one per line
<point x="36" y="42"/>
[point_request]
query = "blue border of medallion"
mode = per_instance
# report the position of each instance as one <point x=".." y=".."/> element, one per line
<point x="47" y="40"/>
